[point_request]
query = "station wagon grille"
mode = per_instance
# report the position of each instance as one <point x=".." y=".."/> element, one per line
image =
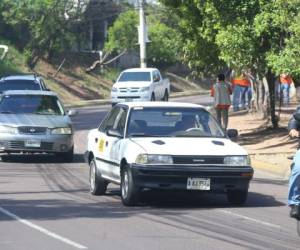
<point x="32" y="130"/>
<point x="199" y="160"/>
<point x="20" y="145"/>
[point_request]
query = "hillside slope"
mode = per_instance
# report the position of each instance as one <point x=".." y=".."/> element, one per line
<point x="72" y="83"/>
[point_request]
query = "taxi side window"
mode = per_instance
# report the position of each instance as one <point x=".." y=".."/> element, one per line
<point x="109" y="120"/>
<point x="121" y="120"/>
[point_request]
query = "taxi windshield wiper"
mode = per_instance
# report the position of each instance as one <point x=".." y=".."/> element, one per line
<point x="141" y="135"/>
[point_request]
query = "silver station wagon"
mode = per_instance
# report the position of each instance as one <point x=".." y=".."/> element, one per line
<point x="34" y="121"/>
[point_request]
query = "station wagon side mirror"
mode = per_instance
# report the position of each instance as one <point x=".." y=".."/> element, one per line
<point x="72" y="112"/>
<point x="114" y="133"/>
<point x="232" y="134"/>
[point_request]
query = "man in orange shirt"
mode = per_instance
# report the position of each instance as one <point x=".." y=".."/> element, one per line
<point x="240" y="88"/>
<point x="285" y="83"/>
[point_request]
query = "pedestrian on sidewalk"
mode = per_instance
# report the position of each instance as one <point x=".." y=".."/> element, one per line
<point x="241" y="86"/>
<point x="221" y="92"/>
<point x="285" y="81"/>
<point x="294" y="180"/>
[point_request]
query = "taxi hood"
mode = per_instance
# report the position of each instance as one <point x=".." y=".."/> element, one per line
<point x="190" y="146"/>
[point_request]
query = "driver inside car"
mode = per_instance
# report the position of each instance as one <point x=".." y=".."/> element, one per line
<point x="187" y="122"/>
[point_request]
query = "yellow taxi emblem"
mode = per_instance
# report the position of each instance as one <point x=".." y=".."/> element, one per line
<point x="101" y="145"/>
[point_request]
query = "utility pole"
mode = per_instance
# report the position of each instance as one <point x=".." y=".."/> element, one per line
<point x="142" y="35"/>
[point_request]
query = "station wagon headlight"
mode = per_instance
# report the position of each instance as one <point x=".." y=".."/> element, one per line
<point x="243" y="160"/>
<point x="114" y="89"/>
<point x="154" y="159"/>
<point x="8" y="129"/>
<point x="62" y="131"/>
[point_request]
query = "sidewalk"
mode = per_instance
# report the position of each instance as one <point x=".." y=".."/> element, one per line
<point x="269" y="148"/>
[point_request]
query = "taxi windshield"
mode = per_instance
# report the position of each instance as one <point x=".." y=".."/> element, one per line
<point x="172" y="122"/>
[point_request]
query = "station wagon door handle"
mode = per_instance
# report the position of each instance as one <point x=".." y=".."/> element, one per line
<point x="96" y="140"/>
<point x="106" y="143"/>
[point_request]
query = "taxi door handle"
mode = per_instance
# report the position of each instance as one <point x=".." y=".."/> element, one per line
<point x="96" y="140"/>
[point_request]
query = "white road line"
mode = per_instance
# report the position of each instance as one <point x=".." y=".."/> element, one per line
<point x="42" y="230"/>
<point x="251" y="219"/>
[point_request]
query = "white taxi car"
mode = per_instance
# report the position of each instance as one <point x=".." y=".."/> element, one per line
<point x="159" y="145"/>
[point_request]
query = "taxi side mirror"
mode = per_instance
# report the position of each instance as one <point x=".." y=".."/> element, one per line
<point x="114" y="133"/>
<point x="232" y="134"/>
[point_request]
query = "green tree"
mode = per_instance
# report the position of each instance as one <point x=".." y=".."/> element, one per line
<point x="164" y="40"/>
<point x="245" y="34"/>
<point x="45" y="25"/>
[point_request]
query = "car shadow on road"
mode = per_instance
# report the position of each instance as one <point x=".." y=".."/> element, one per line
<point x="38" y="158"/>
<point x="169" y="199"/>
<point x="167" y="203"/>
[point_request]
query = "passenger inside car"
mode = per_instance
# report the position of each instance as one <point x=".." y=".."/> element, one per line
<point x="137" y="126"/>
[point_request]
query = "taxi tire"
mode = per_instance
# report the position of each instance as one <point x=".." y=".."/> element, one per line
<point x="100" y="184"/>
<point x="132" y="195"/>
<point x="237" y="197"/>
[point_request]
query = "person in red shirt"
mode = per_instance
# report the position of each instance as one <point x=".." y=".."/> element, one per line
<point x="241" y="85"/>
<point x="221" y="92"/>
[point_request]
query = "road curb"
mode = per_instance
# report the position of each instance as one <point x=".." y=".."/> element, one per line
<point x="108" y="101"/>
<point x="282" y="170"/>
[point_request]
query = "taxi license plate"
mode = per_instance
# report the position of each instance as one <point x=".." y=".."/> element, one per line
<point x="32" y="144"/>
<point x="198" y="184"/>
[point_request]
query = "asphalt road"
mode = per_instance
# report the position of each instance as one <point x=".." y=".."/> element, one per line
<point x="45" y="204"/>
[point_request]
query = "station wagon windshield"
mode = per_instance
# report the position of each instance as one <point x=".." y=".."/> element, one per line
<point x="135" y="77"/>
<point x="19" y="85"/>
<point x="31" y="104"/>
<point x="172" y="122"/>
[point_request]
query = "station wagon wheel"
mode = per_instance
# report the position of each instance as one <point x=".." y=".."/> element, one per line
<point x="237" y="197"/>
<point x="66" y="156"/>
<point x="98" y="185"/>
<point x="129" y="192"/>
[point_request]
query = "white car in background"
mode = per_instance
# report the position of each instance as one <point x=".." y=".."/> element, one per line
<point x="164" y="145"/>
<point x="140" y="84"/>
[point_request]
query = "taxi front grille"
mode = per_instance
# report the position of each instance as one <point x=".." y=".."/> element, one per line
<point x="199" y="160"/>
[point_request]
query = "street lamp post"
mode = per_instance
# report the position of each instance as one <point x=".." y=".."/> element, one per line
<point x="142" y="35"/>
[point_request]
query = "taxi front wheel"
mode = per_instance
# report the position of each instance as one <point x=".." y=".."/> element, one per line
<point x="129" y="192"/>
<point x="98" y="185"/>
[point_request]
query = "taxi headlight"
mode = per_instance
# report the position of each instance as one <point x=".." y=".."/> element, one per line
<point x="154" y="159"/>
<point x="8" y="129"/>
<point x="62" y="131"/>
<point x="243" y="160"/>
